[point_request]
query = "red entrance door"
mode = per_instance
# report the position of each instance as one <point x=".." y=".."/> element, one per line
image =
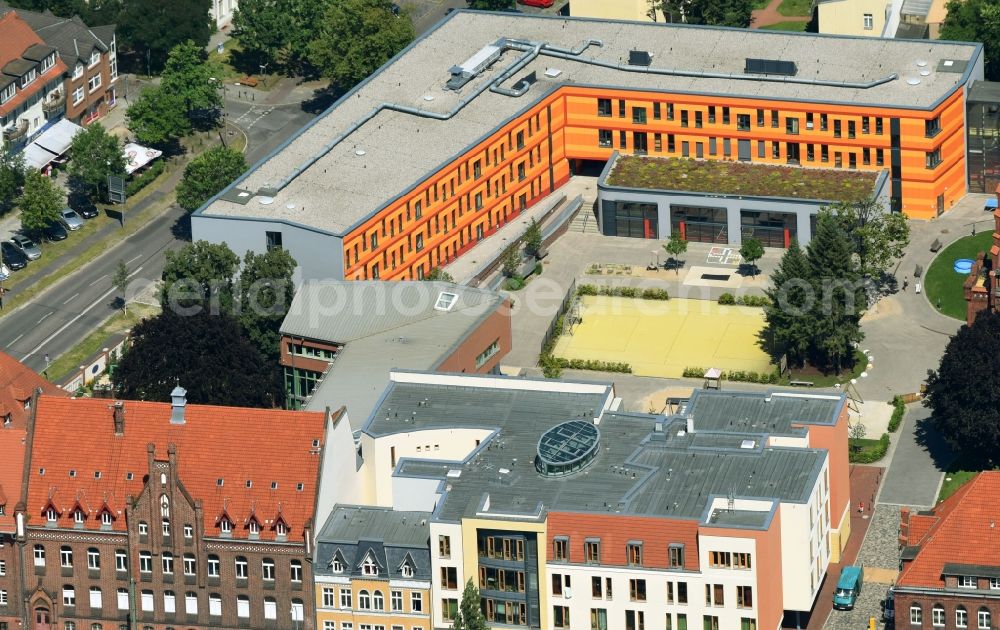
<point x="42" y="619"/>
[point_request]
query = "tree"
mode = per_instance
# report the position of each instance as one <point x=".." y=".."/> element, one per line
<point x="277" y="31"/>
<point x="491" y="5"/>
<point x="199" y="274"/>
<point x="149" y="29"/>
<point x="962" y="393"/>
<point x="879" y="237"/>
<point x="120" y="282"/>
<point x="40" y="202"/>
<point x="355" y="38"/>
<point x="511" y="261"/>
<point x="976" y="21"/>
<point x="533" y="238"/>
<point x="470" y="614"/>
<point x="157" y="117"/>
<point x="751" y="251"/>
<point x="438" y="273"/>
<point x="713" y="12"/>
<point x="840" y="296"/>
<point x="191" y="79"/>
<point x="11" y="177"/>
<point x="674" y="248"/>
<point x="788" y="318"/>
<point x="207" y="174"/>
<point x="207" y="354"/>
<point x="95" y="155"/>
<point x="266" y="292"/>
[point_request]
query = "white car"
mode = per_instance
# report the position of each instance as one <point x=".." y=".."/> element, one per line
<point x="70" y="219"/>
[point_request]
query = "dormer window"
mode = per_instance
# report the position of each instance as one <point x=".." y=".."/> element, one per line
<point x="225" y="526"/>
<point x="78" y="517"/>
<point x="78" y="71"/>
<point x="280" y="528"/>
<point x="95" y="58"/>
<point x="48" y="62"/>
<point x="368" y="567"/>
<point x="29" y="77"/>
<point x="106" y="518"/>
<point x="336" y="566"/>
<point x="3" y="509"/>
<point x="254" y="527"/>
<point x="406" y="570"/>
<point x="51" y="515"/>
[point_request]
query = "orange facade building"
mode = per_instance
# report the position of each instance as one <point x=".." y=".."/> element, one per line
<point x="488" y="113"/>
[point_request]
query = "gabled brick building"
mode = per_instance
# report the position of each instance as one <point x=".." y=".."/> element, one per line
<point x="950" y="573"/>
<point x="18" y="385"/>
<point x="31" y="75"/>
<point x="154" y="515"/>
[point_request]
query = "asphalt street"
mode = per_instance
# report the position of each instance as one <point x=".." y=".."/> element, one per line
<point x="60" y="317"/>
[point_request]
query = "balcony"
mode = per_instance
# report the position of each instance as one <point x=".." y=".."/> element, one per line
<point x="17" y="130"/>
<point x="55" y="105"/>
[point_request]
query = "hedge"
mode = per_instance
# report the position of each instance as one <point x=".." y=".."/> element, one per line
<point x="593" y="364"/>
<point x="870" y="455"/>
<point x="628" y="292"/>
<point x="743" y="376"/>
<point x="145" y="178"/>
<point x="899" y="408"/>
<point x="729" y="299"/>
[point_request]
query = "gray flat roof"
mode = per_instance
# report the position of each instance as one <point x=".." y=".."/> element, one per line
<point x="761" y="412"/>
<point x="351" y="523"/>
<point x="637" y="470"/>
<point x="387" y="325"/>
<point x="346" y="165"/>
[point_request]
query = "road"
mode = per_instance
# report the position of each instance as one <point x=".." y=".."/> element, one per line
<point x="60" y="317"/>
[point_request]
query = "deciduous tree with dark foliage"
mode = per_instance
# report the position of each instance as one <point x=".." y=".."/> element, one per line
<point x="713" y="12"/>
<point x="266" y="292"/>
<point x="209" y="355"/>
<point x="963" y="393"/>
<point x="207" y="174"/>
<point x="200" y="274"/>
<point x="149" y="29"/>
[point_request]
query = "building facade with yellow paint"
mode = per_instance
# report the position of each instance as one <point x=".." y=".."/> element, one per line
<point x="372" y="570"/>
<point x="640" y="10"/>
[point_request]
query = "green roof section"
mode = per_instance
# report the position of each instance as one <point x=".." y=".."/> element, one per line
<point x="742" y="179"/>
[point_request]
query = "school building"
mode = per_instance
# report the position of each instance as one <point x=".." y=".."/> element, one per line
<point x="489" y="112"/>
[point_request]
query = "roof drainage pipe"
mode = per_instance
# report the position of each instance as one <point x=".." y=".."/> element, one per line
<point x="531" y="50"/>
<point x="719" y="75"/>
<point x="534" y="49"/>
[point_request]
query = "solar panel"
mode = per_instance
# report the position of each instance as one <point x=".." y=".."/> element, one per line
<point x="770" y="66"/>
<point x="639" y="58"/>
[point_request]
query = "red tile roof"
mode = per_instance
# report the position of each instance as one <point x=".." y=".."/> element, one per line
<point x="11" y="470"/>
<point x="17" y="381"/>
<point x="16" y="37"/>
<point x="270" y="448"/>
<point x="966" y="531"/>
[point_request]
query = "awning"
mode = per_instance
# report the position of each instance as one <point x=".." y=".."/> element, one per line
<point x="53" y="142"/>
<point x="137" y="156"/>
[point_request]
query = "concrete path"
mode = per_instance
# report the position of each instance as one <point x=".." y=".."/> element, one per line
<point x="770" y="15"/>
<point x="915" y="472"/>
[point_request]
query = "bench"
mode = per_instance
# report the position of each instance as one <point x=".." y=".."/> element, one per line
<point x="936" y="245"/>
<point x="801" y="383"/>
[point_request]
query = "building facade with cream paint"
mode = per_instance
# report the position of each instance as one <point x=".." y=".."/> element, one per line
<point x="566" y="511"/>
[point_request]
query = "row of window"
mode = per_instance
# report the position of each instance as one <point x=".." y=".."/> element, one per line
<point x="636" y="620"/>
<point x="147" y="602"/>
<point x="348" y="625"/>
<point x="961" y="616"/>
<point x="639" y="117"/>
<point x="27" y="78"/>
<point x="374" y="600"/>
<point x="633" y="552"/>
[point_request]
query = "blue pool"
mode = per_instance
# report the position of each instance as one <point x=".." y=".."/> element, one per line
<point x="963" y="265"/>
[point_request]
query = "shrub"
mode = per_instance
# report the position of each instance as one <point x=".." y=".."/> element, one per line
<point x="753" y="300"/>
<point x="742" y="376"/>
<point x="591" y="364"/>
<point x="513" y="283"/>
<point x="655" y="294"/>
<point x="727" y="299"/>
<point x="538" y="269"/>
<point x="868" y="455"/>
<point x="551" y="367"/>
<point x="693" y="372"/>
<point x="586" y="289"/>
<point x="145" y="178"/>
<point x="627" y="292"/>
<point x="899" y="408"/>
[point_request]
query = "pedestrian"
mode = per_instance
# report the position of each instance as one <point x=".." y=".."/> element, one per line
<point x="906" y="282"/>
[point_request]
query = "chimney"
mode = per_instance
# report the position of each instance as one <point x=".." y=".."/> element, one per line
<point x="118" y="412"/>
<point x="177" y="404"/>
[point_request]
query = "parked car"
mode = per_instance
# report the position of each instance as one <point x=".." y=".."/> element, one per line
<point x="69" y="218"/>
<point x="889" y="607"/>
<point x="27" y="246"/>
<point x="545" y="4"/>
<point x="55" y="231"/>
<point x="85" y="208"/>
<point x="12" y="256"/>
<point x="4" y="273"/>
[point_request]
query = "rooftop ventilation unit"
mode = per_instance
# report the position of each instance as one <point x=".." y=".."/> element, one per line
<point x="475" y="65"/>
<point x="639" y="58"/>
<point x="770" y="66"/>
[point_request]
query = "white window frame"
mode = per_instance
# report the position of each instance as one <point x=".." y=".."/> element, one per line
<point x="190" y="564"/>
<point x="145" y="562"/>
<point x="270" y="608"/>
<point x="121" y="560"/>
<point x="169" y="602"/>
<point x="95" y="58"/>
<point x="123" y="599"/>
<point x="984" y="619"/>
<point x="329" y="597"/>
<point x="188" y="532"/>
<point x="39" y="556"/>
<point x="96" y="599"/>
<point x="938" y="616"/>
<point x="215" y="605"/>
<point x="66" y="557"/>
<point x="916" y="614"/>
<point x="106" y="518"/>
<point x="191" y="603"/>
<point x="214" y="566"/>
<point x="961" y="612"/>
<point x="8" y="92"/>
<point x="3" y="567"/>
<point x="78" y="71"/>
<point x="94" y="82"/>
<point x="241" y="568"/>
<point x="416" y="602"/>
<point x="48" y="62"/>
<point x="369" y="567"/>
<point x="243" y="606"/>
<point x="295" y="568"/>
<point x="29" y="77"/>
<point x="146" y="599"/>
<point x="93" y="559"/>
<point x="966" y="581"/>
<point x="267" y="570"/>
<point x="69" y="596"/>
<point x="869" y="21"/>
<point x="336" y="566"/>
<point x="167" y="562"/>
<point x="346" y="598"/>
<point x="396" y="601"/>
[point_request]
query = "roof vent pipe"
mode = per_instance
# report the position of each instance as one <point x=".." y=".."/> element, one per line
<point x="178" y="401"/>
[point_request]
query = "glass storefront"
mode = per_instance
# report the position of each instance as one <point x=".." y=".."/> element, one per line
<point x="699" y="224"/>
<point x="772" y="229"/>
<point x="636" y="220"/>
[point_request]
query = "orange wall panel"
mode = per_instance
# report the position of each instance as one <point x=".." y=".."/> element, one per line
<point x="615" y="531"/>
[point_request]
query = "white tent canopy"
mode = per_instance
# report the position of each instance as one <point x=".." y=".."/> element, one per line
<point x="137" y="156"/>
<point x="53" y="142"/>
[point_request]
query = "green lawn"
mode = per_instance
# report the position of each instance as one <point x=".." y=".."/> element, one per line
<point x="785" y="26"/>
<point x="795" y="8"/>
<point x="953" y="480"/>
<point x="942" y="285"/>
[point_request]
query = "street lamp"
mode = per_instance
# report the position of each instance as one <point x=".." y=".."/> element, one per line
<point x="263" y="77"/>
